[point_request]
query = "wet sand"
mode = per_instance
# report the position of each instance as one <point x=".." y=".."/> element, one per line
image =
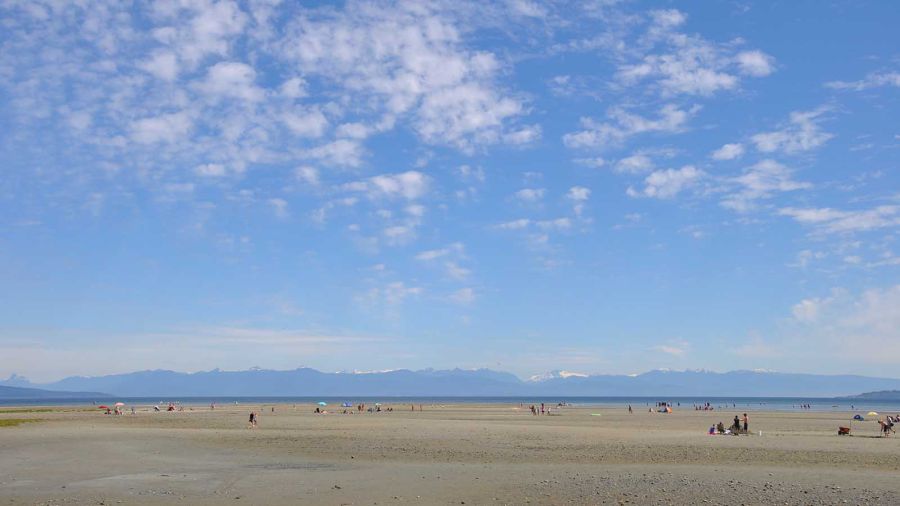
<point x="449" y="454"/>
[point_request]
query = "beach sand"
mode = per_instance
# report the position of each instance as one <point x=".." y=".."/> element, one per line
<point x="446" y="454"/>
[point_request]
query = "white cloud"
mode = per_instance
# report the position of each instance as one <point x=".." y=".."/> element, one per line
<point x="515" y="224"/>
<point x="664" y="184"/>
<point x="302" y="123"/>
<point x="410" y="58"/>
<point x="679" y="63"/>
<point x="205" y="28"/>
<point x="294" y="87"/>
<point x="340" y="152"/>
<point x="252" y="84"/>
<point x="624" y="125"/>
<point x="210" y="170"/>
<point x="595" y="162"/>
<point x="634" y="164"/>
<point x="279" y="207"/>
<point x="807" y="310"/>
<point x="828" y="220"/>
<point x="463" y="296"/>
<point x="397" y="292"/>
<point x="453" y="249"/>
<point x="525" y="135"/>
<point x="354" y="130"/>
<point x="308" y="175"/>
<point x="728" y="152"/>
<point x="456" y="271"/>
<point x="234" y="80"/>
<point x="321" y="214"/>
<point x="163" y="128"/>
<point x="676" y="349"/>
<point x="802" y="133"/>
<point x="468" y="173"/>
<point x="162" y="64"/>
<point x="554" y="224"/>
<point x="557" y="224"/>
<point x="755" y="63"/>
<point x="761" y="181"/>
<point x="579" y="195"/>
<point x="805" y="256"/>
<point x="400" y="228"/>
<point x="410" y="185"/>
<point x="864" y="326"/>
<point x="450" y="257"/>
<point x="527" y="8"/>
<point x="530" y="194"/>
<point x="873" y="80"/>
<point x="667" y="18"/>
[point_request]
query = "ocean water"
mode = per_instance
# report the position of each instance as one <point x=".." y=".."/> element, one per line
<point x="685" y="403"/>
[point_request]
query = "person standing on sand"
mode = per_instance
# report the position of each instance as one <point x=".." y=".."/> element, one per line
<point x="746" y="423"/>
<point x="629" y="409"/>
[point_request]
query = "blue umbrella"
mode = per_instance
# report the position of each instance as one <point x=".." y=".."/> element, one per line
<point x="323" y="404"/>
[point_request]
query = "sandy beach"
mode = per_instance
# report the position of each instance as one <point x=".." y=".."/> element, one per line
<point x="446" y="454"/>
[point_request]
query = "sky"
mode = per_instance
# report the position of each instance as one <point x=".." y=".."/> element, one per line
<point x="600" y="187"/>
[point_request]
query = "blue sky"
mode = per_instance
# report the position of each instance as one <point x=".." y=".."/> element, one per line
<point x="600" y="187"/>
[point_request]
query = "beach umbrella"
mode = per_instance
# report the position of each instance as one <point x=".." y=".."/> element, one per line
<point x="102" y="407"/>
<point x="119" y="404"/>
<point x="871" y="413"/>
<point x="323" y="404"/>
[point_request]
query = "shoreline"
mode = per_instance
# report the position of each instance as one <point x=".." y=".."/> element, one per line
<point x="788" y="404"/>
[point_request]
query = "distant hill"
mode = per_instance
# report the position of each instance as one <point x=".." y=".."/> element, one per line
<point x="882" y="395"/>
<point x="13" y="393"/>
<point x="460" y="382"/>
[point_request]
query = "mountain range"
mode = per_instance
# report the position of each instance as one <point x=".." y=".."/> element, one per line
<point x="464" y="383"/>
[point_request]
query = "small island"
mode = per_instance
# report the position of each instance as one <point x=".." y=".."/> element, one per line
<point x="881" y="395"/>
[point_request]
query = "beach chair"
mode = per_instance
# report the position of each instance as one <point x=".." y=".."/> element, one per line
<point x="843" y="431"/>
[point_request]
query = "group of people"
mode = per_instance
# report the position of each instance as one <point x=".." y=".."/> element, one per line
<point x="740" y="425"/>
<point x="542" y="410"/>
<point x="887" y="425"/>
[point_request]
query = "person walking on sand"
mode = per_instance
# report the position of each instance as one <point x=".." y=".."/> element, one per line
<point x="629" y="409"/>
<point x="253" y="419"/>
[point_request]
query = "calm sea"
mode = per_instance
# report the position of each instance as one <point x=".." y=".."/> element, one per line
<point x="758" y="403"/>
